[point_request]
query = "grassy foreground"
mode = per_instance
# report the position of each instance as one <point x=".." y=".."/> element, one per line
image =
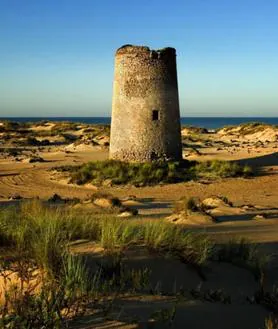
<point x="45" y="285"/>
<point x="150" y="173"/>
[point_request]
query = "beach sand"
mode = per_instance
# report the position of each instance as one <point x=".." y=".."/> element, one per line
<point x="24" y="178"/>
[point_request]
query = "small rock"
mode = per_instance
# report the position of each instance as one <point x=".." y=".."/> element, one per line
<point x="214" y="202"/>
<point x="128" y="212"/>
<point x="125" y="214"/>
<point x="104" y="202"/>
<point x="259" y="217"/>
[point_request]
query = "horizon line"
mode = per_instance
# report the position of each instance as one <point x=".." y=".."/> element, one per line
<point x="58" y="117"/>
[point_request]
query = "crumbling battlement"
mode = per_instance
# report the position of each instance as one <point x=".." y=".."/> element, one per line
<point x="146" y="51"/>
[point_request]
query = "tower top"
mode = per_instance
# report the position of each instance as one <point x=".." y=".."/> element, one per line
<point x="132" y="49"/>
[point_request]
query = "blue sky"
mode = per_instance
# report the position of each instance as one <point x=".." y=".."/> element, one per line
<point x="56" y="56"/>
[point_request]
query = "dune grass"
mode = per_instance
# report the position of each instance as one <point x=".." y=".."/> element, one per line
<point x="151" y="173"/>
<point x="40" y="237"/>
<point x="187" y="204"/>
<point x="220" y="169"/>
<point x="241" y="252"/>
<point x="44" y="233"/>
<point x="248" y="128"/>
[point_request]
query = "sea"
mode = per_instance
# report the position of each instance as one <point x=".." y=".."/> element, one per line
<point x="203" y="122"/>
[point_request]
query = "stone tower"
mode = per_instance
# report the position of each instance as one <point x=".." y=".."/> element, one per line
<point x="145" y="111"/>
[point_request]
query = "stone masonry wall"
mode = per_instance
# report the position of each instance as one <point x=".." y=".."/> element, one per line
<point x="145" y="111"/>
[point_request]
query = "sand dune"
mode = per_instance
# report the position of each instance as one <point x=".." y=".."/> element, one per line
<point x="254" y="213"/>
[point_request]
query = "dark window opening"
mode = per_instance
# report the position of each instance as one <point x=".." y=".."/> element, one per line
<point x="155" y="115"/>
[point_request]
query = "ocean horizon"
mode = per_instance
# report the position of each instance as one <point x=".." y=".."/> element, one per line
<point x="203" y="122"/>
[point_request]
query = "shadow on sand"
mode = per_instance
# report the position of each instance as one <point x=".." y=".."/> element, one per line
<point x="173" y="284"/>
<point x="268" y="160"/>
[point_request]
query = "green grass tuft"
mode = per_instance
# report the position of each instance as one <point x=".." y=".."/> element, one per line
<point x="220" y="169"/>
<point x="151" y="173"/>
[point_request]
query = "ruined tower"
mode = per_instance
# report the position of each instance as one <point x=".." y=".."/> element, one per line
<point x="145" y="111"/>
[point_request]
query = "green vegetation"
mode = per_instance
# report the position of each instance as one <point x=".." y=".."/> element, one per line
<point x="128" y="173"/>
<point x="38" y="302"/>
<point x="168" y="239"/>
<point x="242" y="253"/>
<point x="56" y="285"/>
<point x="51" y="283"/>
<point x="248" y="128"/>
<point x="43" y="233"/>
<point x="222" y="169"/>
<point x="187" y="204"/>
<point x="194" y="204"/>
<point x="150" y="173"/>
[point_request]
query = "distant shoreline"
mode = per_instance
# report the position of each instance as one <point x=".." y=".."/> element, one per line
<point x="203" y="122"/>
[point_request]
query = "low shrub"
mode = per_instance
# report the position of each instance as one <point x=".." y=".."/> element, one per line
<point x="222" y="169"/>
<point x="150" y="173"/>
<point x="187" y="204"/>
<point x="134" y="173"/>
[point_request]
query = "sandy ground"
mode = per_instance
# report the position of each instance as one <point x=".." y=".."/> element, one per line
<point x="18" y="177"/>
